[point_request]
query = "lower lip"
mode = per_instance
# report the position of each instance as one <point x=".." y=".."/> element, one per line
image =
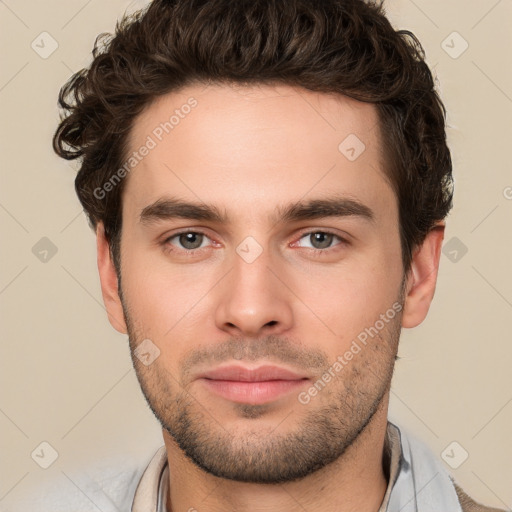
<point x="253" y="392"/>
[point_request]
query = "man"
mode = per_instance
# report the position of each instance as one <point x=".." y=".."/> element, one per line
<point x="268" y="182"/>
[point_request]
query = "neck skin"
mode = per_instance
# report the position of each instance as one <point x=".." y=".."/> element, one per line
<point x="356" y="482"/>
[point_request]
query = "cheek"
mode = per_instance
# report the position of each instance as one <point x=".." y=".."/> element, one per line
<point x="338" y="304"/>
<point x="162" y="300"/>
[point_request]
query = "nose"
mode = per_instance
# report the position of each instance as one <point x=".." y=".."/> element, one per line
<point x="252" y="300"/>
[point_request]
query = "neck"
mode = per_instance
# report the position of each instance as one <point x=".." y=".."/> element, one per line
<point x="354" y="482"/>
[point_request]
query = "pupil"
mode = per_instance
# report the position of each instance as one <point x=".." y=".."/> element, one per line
<point x="321" y="239"/>
<point x="187" y="240"/>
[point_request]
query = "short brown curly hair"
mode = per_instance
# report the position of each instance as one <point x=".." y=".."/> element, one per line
<point x="333" y="46"/>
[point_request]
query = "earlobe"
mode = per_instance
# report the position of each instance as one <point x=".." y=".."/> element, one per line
<point x="422" y="278"/>
<point x="109" y="282"/>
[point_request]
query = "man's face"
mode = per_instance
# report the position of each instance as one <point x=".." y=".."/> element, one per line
<point x="263" y="286"/>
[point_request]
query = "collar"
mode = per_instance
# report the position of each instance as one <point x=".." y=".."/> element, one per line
<point x="422" y="483"/>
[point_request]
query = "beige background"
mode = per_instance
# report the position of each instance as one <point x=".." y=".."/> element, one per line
<point x="66" y="375"/>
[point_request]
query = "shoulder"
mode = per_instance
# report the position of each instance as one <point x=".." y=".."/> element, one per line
<point x="108" y="486"/>
<point x="469" y="505"/>
<point x="421" y="468"/>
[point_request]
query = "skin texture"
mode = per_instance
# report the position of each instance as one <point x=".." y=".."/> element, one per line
<point x="247" y="151"/>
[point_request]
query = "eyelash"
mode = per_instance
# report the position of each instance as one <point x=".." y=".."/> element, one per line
<point x="192" y="252"/>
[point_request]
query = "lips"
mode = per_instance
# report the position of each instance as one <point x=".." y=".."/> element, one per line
<point x="251" y="385"/>
<point x="260" y="374"/>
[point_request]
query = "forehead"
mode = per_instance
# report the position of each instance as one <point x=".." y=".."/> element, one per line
<point x="247" y="147"/>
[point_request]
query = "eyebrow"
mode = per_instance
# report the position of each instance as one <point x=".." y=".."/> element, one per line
<point x="169" y="208"/>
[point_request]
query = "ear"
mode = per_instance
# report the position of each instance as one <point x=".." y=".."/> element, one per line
<point x="109" y="282"/>
<point x="422" y="277"/>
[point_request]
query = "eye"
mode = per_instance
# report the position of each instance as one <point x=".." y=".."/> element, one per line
<point x="188" y="240"/>
<point x="319" y="240"/>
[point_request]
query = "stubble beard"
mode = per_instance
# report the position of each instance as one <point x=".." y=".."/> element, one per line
<point x="324" y="428"/>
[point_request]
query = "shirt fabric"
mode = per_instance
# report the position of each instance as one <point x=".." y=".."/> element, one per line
<point x="417" y="482"/>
